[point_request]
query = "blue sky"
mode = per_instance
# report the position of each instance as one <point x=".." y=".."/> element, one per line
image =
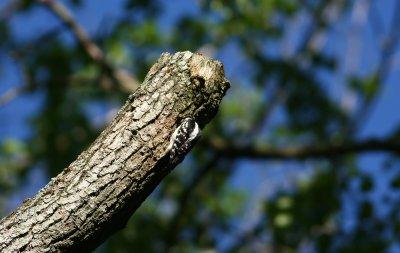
<point x="91" y="17"/>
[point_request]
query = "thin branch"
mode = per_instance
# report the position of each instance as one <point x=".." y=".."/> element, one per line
<point x="389" y="46"/>
<point x="124" y="80"/>
<point x="323" y="16"/>
<point x="11" y="94"/>
<point x="354" y="45"/>
<point x="376" y="22"/>
<point x="16" y="91"/>
<point x="306" y="152"/>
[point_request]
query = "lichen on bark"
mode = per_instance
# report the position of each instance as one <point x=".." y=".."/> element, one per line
<point x="95" y="195"/>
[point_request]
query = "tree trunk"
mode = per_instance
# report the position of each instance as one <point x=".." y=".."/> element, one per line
<point x="95" y="196"/>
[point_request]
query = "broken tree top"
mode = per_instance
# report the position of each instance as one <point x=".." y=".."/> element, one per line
<point x="97" y="193"/>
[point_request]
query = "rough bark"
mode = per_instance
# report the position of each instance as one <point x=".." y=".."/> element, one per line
<point x="95" y="196"/>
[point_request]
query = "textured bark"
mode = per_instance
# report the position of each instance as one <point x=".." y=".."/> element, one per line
<point x="101" y="189"/>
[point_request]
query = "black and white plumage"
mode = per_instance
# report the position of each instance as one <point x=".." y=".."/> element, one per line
<point x="183" y="138"/>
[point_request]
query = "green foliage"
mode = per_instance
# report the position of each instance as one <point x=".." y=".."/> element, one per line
<point x="366" y="87"/>
<point x="278" y="99"/>
<point x="14" y="155"/>
<point x="305" y="213"/>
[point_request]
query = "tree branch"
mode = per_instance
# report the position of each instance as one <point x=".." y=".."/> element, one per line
<point x="389" y="46"/>
<point x="306" y="152"/>
<point x="12" y="93"/>
<point x="125" y="81"/>
<point x="95" y="196"/>
<point x="16" y="91"/>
